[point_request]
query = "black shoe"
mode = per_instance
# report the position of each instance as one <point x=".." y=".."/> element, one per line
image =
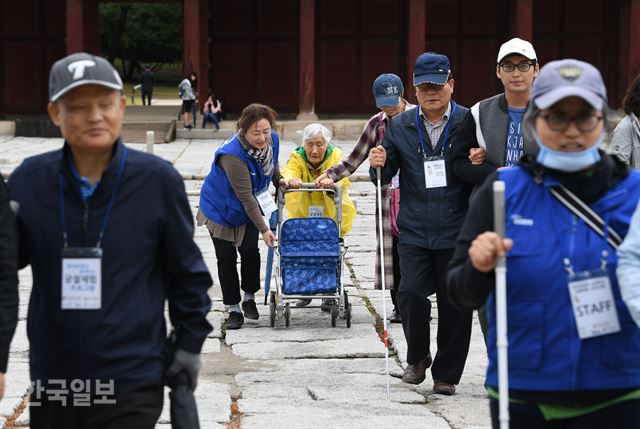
<point x="395" y="316"/>
<point x="249" y="309"/>
<point x="235" y="320"/>
<point x="303" y="302"/>
<point x="327" y="304"/>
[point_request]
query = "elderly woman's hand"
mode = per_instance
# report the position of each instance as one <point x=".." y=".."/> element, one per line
<point x="324" y="181"/>
<point x="485" y="249"/>
<point x="295" y="184"/>
<point x="283" y="183"/>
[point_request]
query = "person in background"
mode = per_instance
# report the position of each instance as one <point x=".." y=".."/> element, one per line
<point x="625" y="141"/>
<point x="147" y="79"/>
<point x="574" y="351"/>
<point x="212" y="108"/>
<point x="185" y="90"/>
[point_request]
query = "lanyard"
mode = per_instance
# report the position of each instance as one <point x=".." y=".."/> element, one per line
<point x="446" y="130"/>
<point x="109" y="207"/>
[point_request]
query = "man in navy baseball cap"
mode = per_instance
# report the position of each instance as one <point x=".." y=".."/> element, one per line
<point x="432" y="68"/>
<point x="427" y="233"/>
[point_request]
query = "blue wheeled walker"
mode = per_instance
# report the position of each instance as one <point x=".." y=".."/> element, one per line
<point x="309" y="258"/>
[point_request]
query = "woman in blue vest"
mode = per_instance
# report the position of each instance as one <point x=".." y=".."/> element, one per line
<point x="233" y="199"/>
<point x="574" y="351"/>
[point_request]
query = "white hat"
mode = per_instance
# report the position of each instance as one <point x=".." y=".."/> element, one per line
<point x="516" y="46"/>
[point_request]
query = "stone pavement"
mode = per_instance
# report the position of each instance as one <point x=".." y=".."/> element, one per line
<point x="308" y="375"/>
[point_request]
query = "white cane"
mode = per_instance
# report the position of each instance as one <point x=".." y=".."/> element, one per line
<point x="384" y="301"/>
<point x="501" y="308"/>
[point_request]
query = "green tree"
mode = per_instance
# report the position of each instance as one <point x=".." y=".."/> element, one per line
<point x="141" y="33"/>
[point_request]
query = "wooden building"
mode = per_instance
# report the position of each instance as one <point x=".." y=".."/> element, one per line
<point x="321" y="56"/>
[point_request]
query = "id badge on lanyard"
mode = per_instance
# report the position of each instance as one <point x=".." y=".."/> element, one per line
<point x="81" y="282"/>
<point x="265" y="200"/>
<point x="435" y="172"/>
<point x="81" y="278"/>
<point x="594" y="306"/>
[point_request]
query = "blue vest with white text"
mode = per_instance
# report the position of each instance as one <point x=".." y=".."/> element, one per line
<point x="545" y="351"/>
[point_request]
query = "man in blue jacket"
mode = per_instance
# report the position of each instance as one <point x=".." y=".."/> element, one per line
<point x="108" y="233"/>
<point x="432" y="208"/>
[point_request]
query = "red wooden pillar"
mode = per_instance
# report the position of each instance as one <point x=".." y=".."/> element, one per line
<point x="307" y="85"/>
<point x="75" y="26"/>
<point x="634" y="41"/>
<point x="417" y="42"/>
<point x="204" y="54"/>
<point x="524" y="20"/>
<point x="191" y="38"/>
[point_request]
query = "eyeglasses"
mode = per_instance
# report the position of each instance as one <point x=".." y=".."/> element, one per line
<point x="560" y="122"/>
<point x="510" y="67"/>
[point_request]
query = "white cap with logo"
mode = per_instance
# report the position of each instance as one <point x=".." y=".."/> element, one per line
<point x="517" y="46"/>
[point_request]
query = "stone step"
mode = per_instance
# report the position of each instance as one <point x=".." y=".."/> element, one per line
<point x="204" y="134"/>
<point x="136" y="132"/>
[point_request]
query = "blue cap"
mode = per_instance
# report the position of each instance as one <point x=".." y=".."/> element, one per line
<point x="431" y="68"/>
<point x="566" y="78"/>
<point x="387" y="90"/>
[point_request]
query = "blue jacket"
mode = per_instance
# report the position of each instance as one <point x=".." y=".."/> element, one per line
<point x="149" y="256"/>
<point x="545" y="352"/>
<point x="218" y="201"/>
<point x="429" y="218"/>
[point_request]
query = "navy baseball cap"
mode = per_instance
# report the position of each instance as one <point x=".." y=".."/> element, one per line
<point x="566" y="78"/>
<point x="80" y="69"/>
<point x="431" y="68"/>
<point x="387" y="90"/>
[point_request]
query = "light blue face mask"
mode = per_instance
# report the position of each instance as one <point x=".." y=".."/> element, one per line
<point x="568" y="161"/>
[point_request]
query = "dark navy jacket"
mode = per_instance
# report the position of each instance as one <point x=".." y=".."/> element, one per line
<point x="428" y="218"/>
<point x="149" y="256"/>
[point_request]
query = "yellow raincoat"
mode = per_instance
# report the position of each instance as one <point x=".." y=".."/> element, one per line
<point x="300" y="204"/>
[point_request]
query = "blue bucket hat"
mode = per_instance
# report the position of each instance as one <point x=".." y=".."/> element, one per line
<point x="431" y="67"/>
<point x="565" y="78"/>
<point x="387" y="90"/>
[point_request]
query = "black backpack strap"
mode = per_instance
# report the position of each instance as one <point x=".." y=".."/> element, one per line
<point x="584" y="212"/>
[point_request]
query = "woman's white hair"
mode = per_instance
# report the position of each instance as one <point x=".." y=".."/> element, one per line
<point x="316" y="130"/>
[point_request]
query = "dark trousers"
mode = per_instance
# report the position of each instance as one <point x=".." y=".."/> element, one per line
<point x="424" y="272"/>
<point x="146" y="95"/>
<point x="623" y="415"/>
<point x="396" y="273"/>
<point x="136" y="407"/>
<point x="227" y="256"/>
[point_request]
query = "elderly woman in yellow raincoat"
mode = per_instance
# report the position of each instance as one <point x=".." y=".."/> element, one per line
<point x="306" y="163"/>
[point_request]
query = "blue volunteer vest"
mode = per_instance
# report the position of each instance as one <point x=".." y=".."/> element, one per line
<point x="218" y="201"/>
<point x="545" y="351"/>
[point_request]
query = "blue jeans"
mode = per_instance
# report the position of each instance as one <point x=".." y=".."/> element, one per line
<point x="212" y="117"/>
